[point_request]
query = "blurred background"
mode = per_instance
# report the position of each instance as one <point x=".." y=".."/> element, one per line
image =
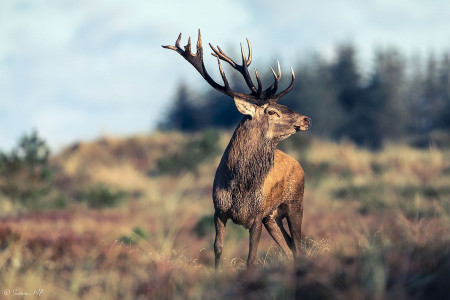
<point x="109" y="145"/>
<point x="76" y="70"/>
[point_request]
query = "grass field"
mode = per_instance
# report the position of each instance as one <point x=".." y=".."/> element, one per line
<point x="129" y="218"/>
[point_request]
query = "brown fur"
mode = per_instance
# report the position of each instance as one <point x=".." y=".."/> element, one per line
<point x="284" y="183"/>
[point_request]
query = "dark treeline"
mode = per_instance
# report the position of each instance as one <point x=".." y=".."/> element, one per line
<point x="396" y="98"/>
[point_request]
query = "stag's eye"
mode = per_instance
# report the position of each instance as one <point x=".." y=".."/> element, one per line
<point x="271" y="112"/>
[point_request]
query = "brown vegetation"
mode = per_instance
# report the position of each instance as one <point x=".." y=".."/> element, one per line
<point x="376" y="225"/>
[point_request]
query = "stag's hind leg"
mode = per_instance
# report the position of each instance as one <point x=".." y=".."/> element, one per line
<point x="220" y="222"/>
<point x="276" y="233"/>
<point x="279" y="215"/>
<point x="294" y="220"/>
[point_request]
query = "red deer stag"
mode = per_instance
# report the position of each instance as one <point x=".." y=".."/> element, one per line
<point x="255" y="183"/>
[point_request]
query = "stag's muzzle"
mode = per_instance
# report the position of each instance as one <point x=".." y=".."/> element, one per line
<point x="304" y="124"/>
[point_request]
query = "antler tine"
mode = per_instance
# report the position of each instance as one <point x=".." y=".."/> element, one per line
<point x="279" y="69"/>
<point x="222" y="73"/>
<point x="187" y="48"/>
<point x="287" y="90"/>
<point x="177" y="43"/>
<point x="258" y="92"/>
<point x="220" y="54"/>
<point x="177" y="47"/>
<point x="244" y="71"/>
<point x="199" y="44"/>
<point x="270" y="91"/>
<point x="244" y="58"/>
<point x="249" y="59"/>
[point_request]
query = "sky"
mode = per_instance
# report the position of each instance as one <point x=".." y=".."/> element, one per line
<point x="81" y="69"/>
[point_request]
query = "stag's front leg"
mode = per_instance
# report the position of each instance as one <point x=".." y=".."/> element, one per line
<point x="255" y="235"/>
<point x="220" y="223"/>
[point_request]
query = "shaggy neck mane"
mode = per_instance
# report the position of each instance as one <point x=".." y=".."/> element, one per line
<point x="249" y="155"/>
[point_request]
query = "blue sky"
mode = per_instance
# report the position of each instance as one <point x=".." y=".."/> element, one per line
<point x="80" y="69"/>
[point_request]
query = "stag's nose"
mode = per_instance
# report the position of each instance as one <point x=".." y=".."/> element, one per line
<point x="304" y="124"/>
<point x="307" y="121"/>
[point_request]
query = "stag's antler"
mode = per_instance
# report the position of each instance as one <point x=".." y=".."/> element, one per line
<point x="257" y="95"/>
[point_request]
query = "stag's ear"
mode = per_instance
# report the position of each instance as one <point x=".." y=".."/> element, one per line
<point x="245" y="107"/>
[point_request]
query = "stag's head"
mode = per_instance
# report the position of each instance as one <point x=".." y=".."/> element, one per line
<point x="260" y="106"/>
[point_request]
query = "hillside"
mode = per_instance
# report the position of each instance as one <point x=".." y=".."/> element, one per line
<point x="131" y="218"/>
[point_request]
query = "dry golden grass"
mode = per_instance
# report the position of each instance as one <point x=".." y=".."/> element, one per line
<point x="376" y="225"/>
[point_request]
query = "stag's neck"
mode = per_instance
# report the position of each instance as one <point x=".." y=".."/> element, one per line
<point x="249" y="155"/>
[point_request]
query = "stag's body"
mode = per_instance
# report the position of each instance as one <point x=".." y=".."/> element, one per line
<point x="254" y="178"/>
<point x="255" y="183"/>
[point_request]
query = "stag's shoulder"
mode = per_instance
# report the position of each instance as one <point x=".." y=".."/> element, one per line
<point x="287" y="165"/>
<point x="286" y="160"/>
<point x="284" y="182"/>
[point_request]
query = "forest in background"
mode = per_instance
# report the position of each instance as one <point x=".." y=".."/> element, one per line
<point x="398" y="97"/>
